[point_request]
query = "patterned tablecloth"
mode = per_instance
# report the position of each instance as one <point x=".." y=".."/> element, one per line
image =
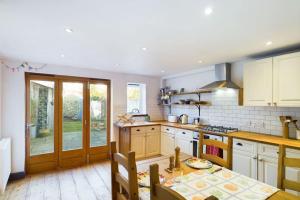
<point x="224" y="184"/>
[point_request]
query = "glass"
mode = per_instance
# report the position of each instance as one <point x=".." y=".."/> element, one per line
<point x="41" y="120"/>
<point x="98" y="115"/>
<point x="134" y="98"/>
<point x="72" y="115"/>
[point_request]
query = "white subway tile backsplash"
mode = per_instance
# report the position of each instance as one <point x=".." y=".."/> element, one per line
<point x="225" y="111"/>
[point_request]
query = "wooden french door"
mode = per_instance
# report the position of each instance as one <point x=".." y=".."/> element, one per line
<point x="67" y="120"/>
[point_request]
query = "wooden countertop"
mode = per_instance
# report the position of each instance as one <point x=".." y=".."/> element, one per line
<point x="245" y="135"/>
<point x="269" y="139"/>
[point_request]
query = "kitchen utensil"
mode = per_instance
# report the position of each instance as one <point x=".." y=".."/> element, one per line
<point x="197" y="121"/>
<point x="285" y="120"/>
<point x="172" y="118"/>
<point x="183" y="119"/>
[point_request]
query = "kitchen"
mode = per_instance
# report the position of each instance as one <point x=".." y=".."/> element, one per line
<point x="197" y="100"/>
<point x="257" y="120"/>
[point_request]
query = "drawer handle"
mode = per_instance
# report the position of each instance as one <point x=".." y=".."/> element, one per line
<point x="152" y="128"/>
<point x="183" y="133"/>
<point x="138" y="130"/>
<point x="167" y="129"/>
<point x="239" y="144"/>
<point x="191" y="141"/>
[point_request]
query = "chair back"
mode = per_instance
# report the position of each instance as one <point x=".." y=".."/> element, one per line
<point x="158" y="191"/>
<point x="283" y="162"/>
<point x="221" y="145"/>
<point x="123" y="188"/>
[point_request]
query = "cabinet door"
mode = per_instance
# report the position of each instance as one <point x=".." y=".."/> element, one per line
<point x="186" y="146"/>
<point x="138" y="145"/>
<point x="163" y="146"/>
<point x="244" y="164"/>
<point x="258" y="83"/>
<point x="152" y="144"/>
<point x="286" y="82"/>
<point x="170" y="144"/>
<point x="267" y="170"/>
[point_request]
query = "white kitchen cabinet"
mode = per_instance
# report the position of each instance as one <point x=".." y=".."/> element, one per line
<point x="152" y="144"/>
<point x="184" y="140"/>
<point x="273" y="81"/>
<point x="138" y="142"/>
<point x="167" y="143"/>
<point x="258" y="83"/>
<point x="267" y="170"/>
<point x="186" y="146"/>
<point x="245" y="164"/>
<point x="286" y="80"/>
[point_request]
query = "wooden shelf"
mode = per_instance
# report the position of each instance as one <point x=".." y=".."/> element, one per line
<point x="195" y="92"/>
<point x="196" y="104"/>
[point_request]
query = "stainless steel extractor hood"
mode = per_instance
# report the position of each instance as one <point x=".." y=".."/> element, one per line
<point x="222" y="78"/>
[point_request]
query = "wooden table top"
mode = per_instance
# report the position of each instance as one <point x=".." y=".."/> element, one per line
<point x="163" y="162"/>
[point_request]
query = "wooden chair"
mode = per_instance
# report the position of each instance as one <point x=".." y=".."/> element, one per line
<point x="121" y="187"/>
<point x="158" y="191"/>
<point x="283" y="162"/>
<point x="221" y="145"/>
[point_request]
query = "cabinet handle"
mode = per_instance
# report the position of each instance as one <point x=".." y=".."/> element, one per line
<point x="254" y="157"/>
<point x="261" y="160"/>
<point x="167" y="129"/>
<point x="269" y="104"/>
<point x="138" y="130"/>
<point x="275" y="104"/>
<point x="153" y="129"/>
<point x="191" y="141"/>
<point x="239" y="144"/>
<point x="183" y="133"/>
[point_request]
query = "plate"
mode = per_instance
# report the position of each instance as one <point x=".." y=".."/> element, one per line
<point x="144" y="179"/>
<point x="198" y="163"/>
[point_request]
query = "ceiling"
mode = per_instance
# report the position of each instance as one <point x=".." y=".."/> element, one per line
<point x="145" y="36"/>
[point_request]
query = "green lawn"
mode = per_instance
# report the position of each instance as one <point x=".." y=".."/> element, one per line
<point x="72" y="126"/>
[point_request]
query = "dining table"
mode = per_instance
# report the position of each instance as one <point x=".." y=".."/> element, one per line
<point x="223" y="183"/>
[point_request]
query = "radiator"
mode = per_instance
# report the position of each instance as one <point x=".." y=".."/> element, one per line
<point x="5" y="162"/>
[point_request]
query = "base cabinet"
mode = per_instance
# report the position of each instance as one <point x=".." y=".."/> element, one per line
<point x="267" y="170"/>
<point x="186" y="146"/>
<point x="167" y="143"/>
<point x="260" y="161"/>
<point x="138" y="142"/>
<point x="245" y="164"/>
<point x="152" y="144"/>
<point x="145" y="141"/>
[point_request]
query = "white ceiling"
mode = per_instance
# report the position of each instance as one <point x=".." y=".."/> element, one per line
<point x="109" y="35"/>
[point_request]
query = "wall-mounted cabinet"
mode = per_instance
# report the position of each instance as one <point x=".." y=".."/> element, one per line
<point x="273" y="81"/>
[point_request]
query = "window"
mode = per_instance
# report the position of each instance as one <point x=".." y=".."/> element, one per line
<point x="136" y="98"/>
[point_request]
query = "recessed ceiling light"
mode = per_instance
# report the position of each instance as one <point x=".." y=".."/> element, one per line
<point x="162" y="71"/>
<point x="62" y="55"/>
<point x="69" y="30"/>
<point x="208" y="10"/>
<point x="200" y="61"/>
<point x="269" y="43"/>
<point x="144" y="49"/>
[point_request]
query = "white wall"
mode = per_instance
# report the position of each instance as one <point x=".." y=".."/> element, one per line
<point x="13" y="112"/>
<point x="225" y="110"/>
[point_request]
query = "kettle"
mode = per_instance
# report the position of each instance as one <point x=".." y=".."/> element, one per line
<point x="183" y="119"/>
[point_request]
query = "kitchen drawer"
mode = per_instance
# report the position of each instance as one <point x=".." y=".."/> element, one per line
<point x="153" y="129"/>
<point x="245" y="146"/>
<point x="138" y="130"/>
<point x="268" y="150"/>
<point x="167" y="129"/>
<point x="292" y="153"/>
<point x="185" y="134"/>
